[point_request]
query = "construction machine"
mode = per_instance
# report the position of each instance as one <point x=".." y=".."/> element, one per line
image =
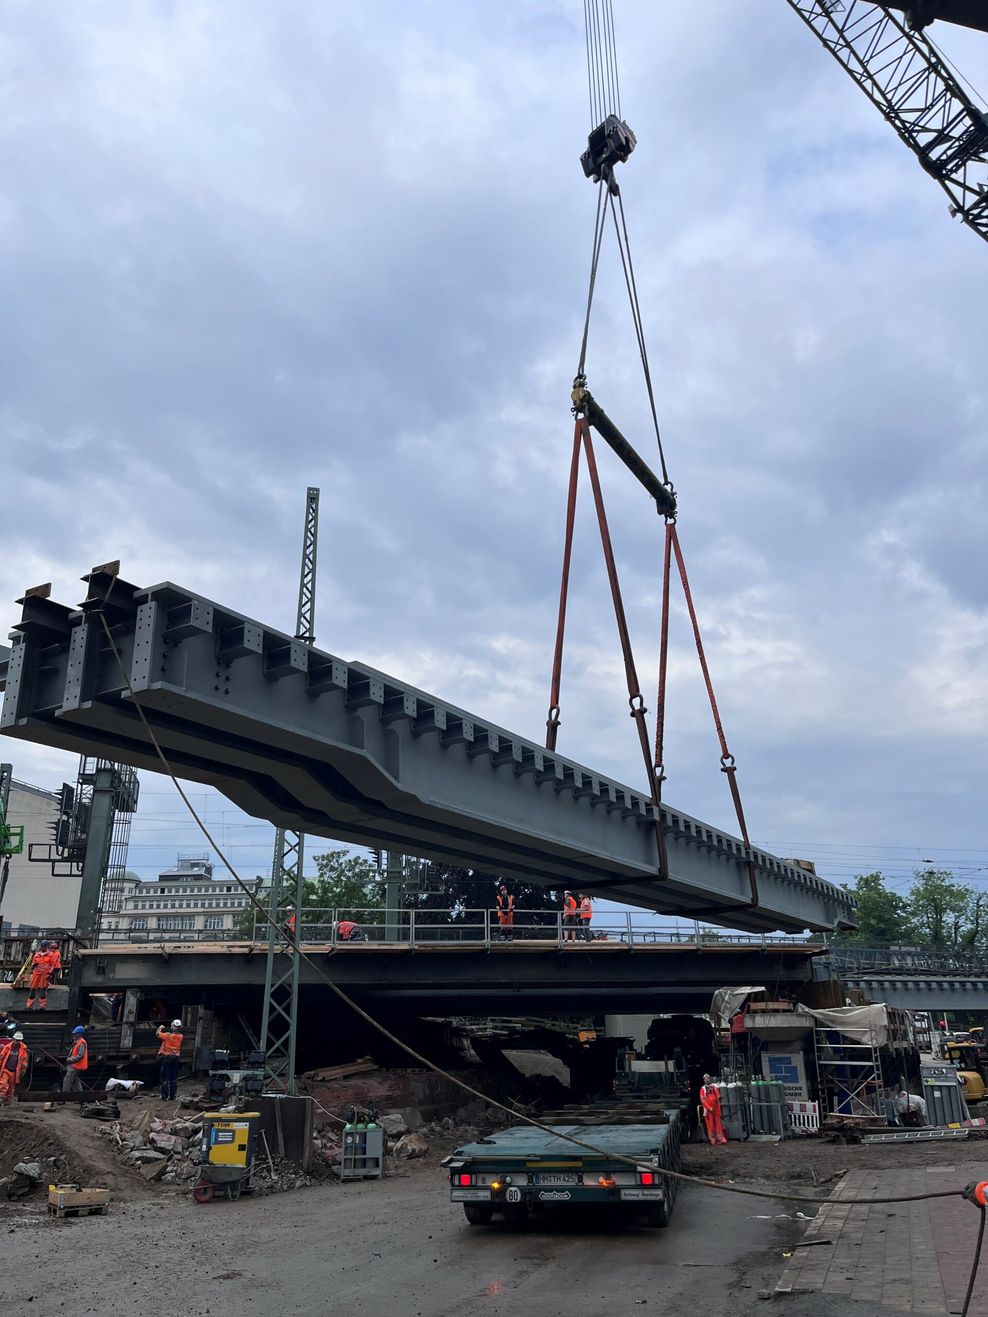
<point x="971" y="1064"/>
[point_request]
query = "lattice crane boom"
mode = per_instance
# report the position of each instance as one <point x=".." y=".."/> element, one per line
<point x="903" y="75"/>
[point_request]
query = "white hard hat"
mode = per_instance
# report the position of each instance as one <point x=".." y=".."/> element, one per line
<point x="176" y="1024"/>
<point x="18" y="1037"/>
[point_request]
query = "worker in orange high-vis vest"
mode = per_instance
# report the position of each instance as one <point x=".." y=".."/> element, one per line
<point x="571" y="917"/>
<point x="13" y="1063"/>
<point x="505" y="913"/>
<point x="77" y="1061"/>
<point x="586" y="914"/>
<point x="710" y="1103"/>
<point x="41" y="968"/>
<point x="169" y="1054"/>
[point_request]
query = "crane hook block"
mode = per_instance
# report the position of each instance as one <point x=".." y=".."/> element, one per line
<point x="610" y="143"/>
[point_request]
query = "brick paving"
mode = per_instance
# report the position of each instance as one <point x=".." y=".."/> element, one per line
<point x="909" y="1257"/>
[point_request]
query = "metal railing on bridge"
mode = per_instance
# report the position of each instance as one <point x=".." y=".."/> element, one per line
<point x="850" y="961"/>
<point x="341" y="929"/>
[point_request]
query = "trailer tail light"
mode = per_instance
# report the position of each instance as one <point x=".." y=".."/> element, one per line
<point x="606" y="1181"/>
<point x="495" y="1185"/>
<point x="646" y="1177"/>
<point x="464" y="1180"/>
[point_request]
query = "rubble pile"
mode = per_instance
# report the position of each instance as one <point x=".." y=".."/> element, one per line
<point x="286" y="1176"/>
<point x="159" y="1150"/>
<point x="27" y="1176"/>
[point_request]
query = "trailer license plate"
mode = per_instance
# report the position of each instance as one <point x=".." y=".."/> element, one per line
<point x="555" y="1177"/>
<point x="470" y="1196"/>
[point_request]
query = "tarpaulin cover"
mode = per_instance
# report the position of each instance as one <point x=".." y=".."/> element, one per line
<point x="865" y="1024"/>
<point x="726" y="1002"/>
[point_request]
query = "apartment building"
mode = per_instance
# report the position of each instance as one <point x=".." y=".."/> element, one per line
<point x="184" y="899"/>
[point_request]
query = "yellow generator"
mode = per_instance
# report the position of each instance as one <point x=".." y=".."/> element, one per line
<point x="229" y="1139"/>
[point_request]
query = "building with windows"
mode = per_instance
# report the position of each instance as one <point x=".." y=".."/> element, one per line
<point x="184" y="899"/>
<point x="35" y="899"/>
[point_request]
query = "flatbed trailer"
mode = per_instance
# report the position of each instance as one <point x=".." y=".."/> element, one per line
<point x="525" y="1169"/>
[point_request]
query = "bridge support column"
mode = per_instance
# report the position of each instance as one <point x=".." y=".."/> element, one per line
<point x="393" y="875"/>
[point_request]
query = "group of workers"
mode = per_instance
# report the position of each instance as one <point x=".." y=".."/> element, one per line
<point x="347" y="930"/>
<point x="577" y="914"/>
<point x="45" y="964"/>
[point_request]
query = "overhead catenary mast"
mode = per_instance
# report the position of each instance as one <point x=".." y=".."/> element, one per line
<point x="279" y="1014"/>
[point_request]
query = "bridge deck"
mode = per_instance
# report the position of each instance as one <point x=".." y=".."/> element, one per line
<point x="297" y="736"/>
<point x="443" y="978"/>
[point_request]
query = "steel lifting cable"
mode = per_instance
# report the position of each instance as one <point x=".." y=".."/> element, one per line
<point x="320" y="972"/>
<point x="627" y="265"/>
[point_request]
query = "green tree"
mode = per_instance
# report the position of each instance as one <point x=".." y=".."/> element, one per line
<point x="344" y="882"/>
<point x="945" y="913"/>
<point x="883" y="916"/>
<point x="458" y="891"/>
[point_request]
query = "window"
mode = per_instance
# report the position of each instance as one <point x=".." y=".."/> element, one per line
<point x="176" y="922"/>
<point x="213" y="921"/>
<point x="138" y="925"/>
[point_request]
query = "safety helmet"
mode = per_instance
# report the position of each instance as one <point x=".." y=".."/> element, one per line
<point x="176" y="1024"/>
<point x="80" y="1028"/>
<point x="18" y="1037"/>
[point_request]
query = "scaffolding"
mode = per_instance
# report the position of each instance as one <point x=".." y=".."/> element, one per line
<point x="858" y="1073"/>
<point x="849" y="1074"/>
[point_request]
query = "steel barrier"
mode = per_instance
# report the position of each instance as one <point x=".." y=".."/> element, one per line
<point x="479" y="927"/>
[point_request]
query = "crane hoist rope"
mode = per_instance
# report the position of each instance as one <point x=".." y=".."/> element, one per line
<point x="609" y="144"/>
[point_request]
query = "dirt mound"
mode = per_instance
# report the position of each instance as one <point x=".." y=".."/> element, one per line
<point x="61" y="1163"/>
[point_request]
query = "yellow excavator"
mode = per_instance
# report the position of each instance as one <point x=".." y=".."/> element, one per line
<point x="972" y="1068"/>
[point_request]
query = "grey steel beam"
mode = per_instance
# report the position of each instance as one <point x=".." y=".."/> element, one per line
<point x="321" y="746"/>
<point x="390" y="971"/>
<point x="925" y="994"/>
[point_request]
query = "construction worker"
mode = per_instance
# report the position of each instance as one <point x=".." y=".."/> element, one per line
<point x="41" y="970"/>
<point x="571" y="918"/>
<point x="586" y="914"/>
<point x="910" y="1109"/>
<point x="13" y="1063"/>
<point x="169" y="1054"/>
<point x="710" y="1104"/>
<point x="55" y="957"/>
<point x="348" y="931"/>
<point x="288" y="927"/>
<point x="76" y="1062"/>
<point x="505" y="913"/>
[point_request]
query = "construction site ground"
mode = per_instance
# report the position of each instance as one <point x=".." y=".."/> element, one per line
<point x="396" y="1247"/>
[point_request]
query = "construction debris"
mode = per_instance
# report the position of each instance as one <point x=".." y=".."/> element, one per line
<point x="344" y="1071"/>
<point x="411" y="1145"/>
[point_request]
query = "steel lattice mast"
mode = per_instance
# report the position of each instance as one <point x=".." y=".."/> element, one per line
<point x="279" y="1014"/>
<point x="902" y="73"/>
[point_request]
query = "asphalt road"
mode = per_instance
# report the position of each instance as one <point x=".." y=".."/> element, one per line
<point x="397" y="1249"/>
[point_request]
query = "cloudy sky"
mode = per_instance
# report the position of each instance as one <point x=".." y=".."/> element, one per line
<point x="246" y="248"/>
